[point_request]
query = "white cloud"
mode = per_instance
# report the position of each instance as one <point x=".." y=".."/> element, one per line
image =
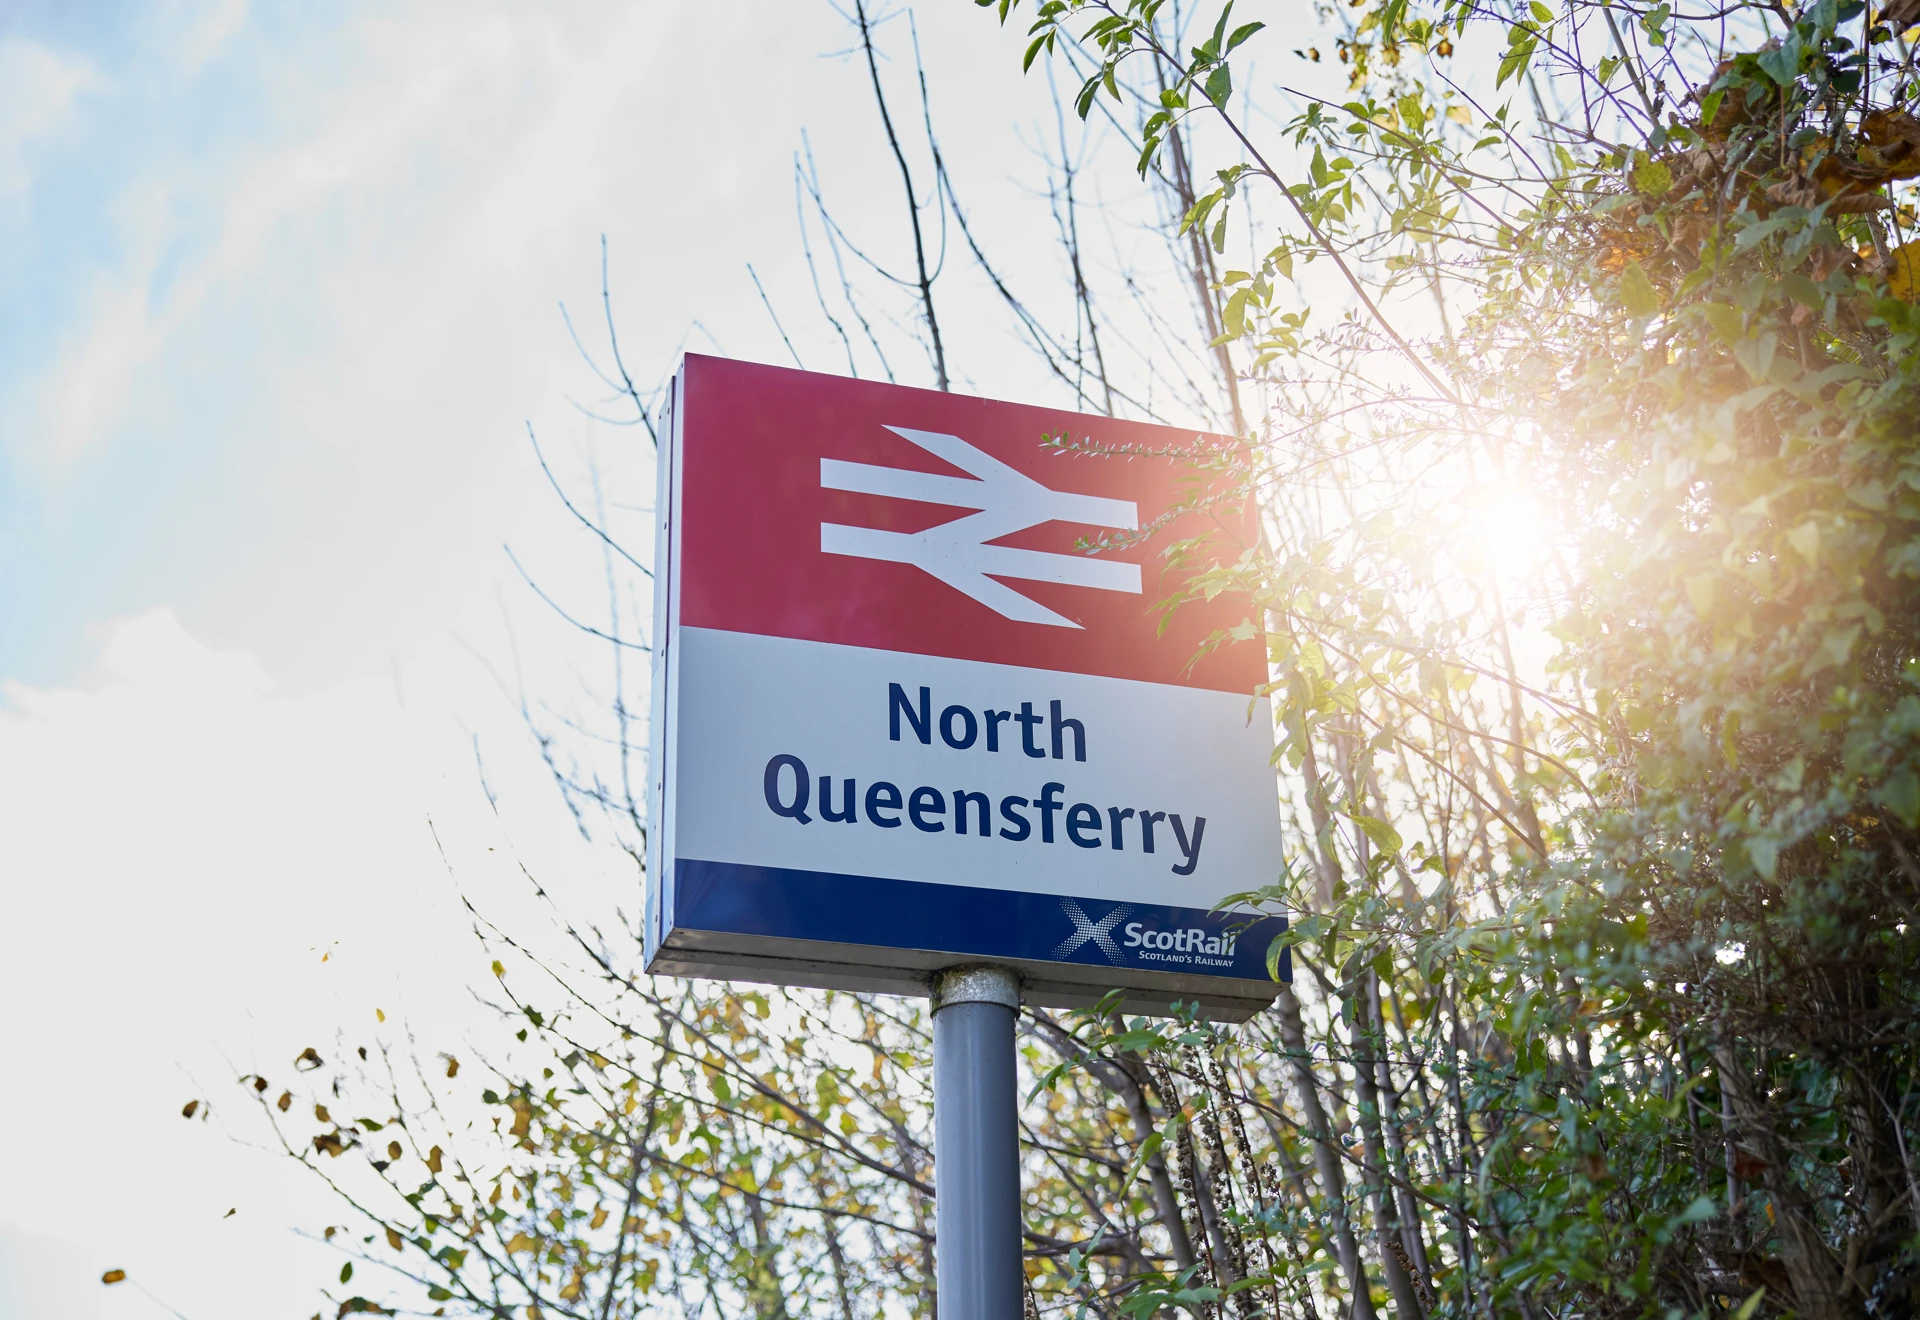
<point x="39" y="88"/>
<point x="201" y="875"/>
<point x="379" y="141"/>
<point x="205" y="34"/>
<point x="339" y="302"/>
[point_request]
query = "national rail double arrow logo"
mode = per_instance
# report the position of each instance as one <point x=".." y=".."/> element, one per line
<point x="958" y="552"/>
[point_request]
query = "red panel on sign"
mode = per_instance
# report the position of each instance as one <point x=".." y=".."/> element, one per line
<point x="911" y="520"/>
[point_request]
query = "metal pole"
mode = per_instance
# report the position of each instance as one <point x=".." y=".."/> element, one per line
<point x="976" y="1145"/>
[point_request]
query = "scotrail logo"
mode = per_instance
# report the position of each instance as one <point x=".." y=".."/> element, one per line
<point x="958" y="552"/>
<point x="1190" y="946"/>
<point x="1193" y="945"/>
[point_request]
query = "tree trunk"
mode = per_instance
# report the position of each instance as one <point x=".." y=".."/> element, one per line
<point x="1326" y="1156"/>
<point x="1815" y="1274"/>
<point x="1400" y="1285"/>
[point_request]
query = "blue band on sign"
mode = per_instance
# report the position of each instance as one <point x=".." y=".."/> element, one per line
<point x="984" y="923"/>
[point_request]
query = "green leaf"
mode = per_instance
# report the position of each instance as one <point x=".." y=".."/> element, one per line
<point x="1702" y="1207"/>
<point x="1148" y="1149"/>
<point x="1084" y="102"/>
<point x="1519" y="55"/>
<point x="1653" y="178"/>
<point x="1212" y="48"/>
<point x="1802" y="290"/>
<point x="346" y="1272"/>
<point x="1726" y="321"/>
<point x="1034" y="49"/>
<point x="1748" y="1307"/>
<point x="1220" y="85"/>
<point x="1901" y="795"/>
<point x="1383" y="835"/>
<point x="1653" y="23"/>
<point x="1636" y="291"/>
<point x="1782" y="64"/>
<point x="1234" y="314"/>
<point x="1148" y="150"/>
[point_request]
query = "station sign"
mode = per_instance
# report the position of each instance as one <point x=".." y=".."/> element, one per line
<point x="911" y="710"/>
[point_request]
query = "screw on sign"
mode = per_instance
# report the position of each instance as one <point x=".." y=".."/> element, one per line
<point x="903" y="720"/>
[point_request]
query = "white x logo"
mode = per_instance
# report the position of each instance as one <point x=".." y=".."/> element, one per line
<point x="1100" y="932"/>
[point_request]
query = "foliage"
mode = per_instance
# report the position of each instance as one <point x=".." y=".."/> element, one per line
<point x="1592" y="529"/>
<point x="1675" y="921"/>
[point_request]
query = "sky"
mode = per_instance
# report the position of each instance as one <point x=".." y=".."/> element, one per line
<point x="282" y="292"/>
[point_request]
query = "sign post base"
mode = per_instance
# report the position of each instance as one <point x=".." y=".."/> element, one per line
<point x="976" y="1143"/>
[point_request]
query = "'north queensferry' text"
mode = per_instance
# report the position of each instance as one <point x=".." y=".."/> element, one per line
<point x="798" y="794"/>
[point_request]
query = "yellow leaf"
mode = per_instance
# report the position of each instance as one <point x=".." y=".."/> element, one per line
<point x="395" y="1241"/>
<point x="599" y="1218"/>
<point x="1700" y="591"/>
<point x="1459" y="114"/>
<point x="114" y="1276"/>
<point x="393" y="1150"/>
<point x="320" y="1112"/>
<point x="189" y="1109"/>
<point x="433" y="1160"/>
<point x="1637" y="291"/>
<point x="285" y="1102"/>
<point x="572" y="1290"/>
<point x="522" y="1117"/>
<point x="521" y="1242"/>
<point x="1806" y="540"/>
<point x="379" y="1015"/>
<point x="453" y="1066"/>
<point x="1903" y="277"/>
